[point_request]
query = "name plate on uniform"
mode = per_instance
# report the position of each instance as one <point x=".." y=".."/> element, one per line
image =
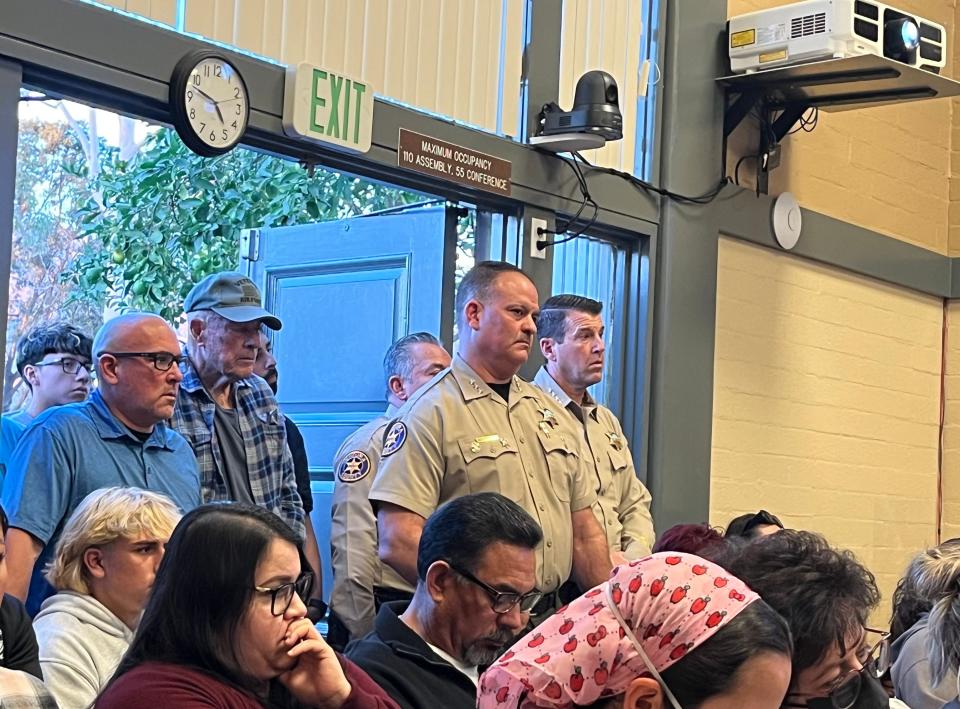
<point x="328" y="107"/>
<point x="464" y="166"/>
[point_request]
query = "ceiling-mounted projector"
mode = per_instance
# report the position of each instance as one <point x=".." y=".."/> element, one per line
<point x="834" y="29"/>
<point x="594" y="119"/>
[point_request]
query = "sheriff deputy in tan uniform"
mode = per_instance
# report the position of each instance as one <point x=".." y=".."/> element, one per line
<point x="478" y="427"/>
<point x="571" y="330"/>
<point x="360" y="580"/>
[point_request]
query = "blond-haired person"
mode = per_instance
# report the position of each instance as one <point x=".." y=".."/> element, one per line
<point x="103" y="569"/>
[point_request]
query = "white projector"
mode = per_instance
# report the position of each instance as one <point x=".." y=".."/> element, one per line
<point x="834" y="29"/>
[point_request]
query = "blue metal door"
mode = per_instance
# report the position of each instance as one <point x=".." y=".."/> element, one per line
<point x="345" y="291"/>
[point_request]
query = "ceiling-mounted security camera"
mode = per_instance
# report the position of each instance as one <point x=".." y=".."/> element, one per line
<point x="594" y="119"/>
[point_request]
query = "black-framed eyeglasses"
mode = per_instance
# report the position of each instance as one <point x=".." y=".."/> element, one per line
<point x="69" y="365"/>
<point x="504" y="601"/>
<point x="282" y="596"/>
<point x="875" y="660"/>
<point x="161" y="360"/>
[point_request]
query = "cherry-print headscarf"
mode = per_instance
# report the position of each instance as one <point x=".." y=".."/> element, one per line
<point x="669" y="602"/>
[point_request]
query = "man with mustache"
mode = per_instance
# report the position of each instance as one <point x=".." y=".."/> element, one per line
<point x="571" y="332"/>
<point x="227" y="413"/>
<point x="476" y="585"/>
<point x="116" y="438"/>
<point x="479" y="427"/>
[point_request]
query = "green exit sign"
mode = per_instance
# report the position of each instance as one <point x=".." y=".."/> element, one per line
<point x="328" y="107"/>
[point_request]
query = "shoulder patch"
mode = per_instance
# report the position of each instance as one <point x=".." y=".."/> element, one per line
<point x="354" y="467"/>
<point x="394" y="439"/>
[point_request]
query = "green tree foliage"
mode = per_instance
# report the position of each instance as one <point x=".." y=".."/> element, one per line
<point x="45" y="228"/>
<point x="169" y="217"/>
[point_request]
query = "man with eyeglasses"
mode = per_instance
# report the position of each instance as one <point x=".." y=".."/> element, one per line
<point x="54" y="361"/>
<point x="227" y="413"/>
<point x="825" y="595"/>
<point x="476" y="586"/>
<point x="116" y="438"/>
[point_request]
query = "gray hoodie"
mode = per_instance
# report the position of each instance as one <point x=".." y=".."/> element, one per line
<point x="910" y="672"/>
<point x="81" y="643"/>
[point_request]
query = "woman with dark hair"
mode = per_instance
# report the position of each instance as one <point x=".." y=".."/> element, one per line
<point x="18" y="642"/>
<point x="226" y="625"/>
<point x="668" y="630"/>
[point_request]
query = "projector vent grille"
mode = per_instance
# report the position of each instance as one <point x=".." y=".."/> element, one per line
<point x="808" y="25"/>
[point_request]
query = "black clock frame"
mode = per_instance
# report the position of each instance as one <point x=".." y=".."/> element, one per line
<point x="178" y="105"/>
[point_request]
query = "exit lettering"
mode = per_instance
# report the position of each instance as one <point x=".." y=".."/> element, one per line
<point x="331" y="100"/>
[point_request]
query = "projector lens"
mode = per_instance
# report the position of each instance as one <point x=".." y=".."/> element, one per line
<point x="910" y="34"/>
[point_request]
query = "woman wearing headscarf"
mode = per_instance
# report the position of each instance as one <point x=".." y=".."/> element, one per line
<point x="671" y="630"/>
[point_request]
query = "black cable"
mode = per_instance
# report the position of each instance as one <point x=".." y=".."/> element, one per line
<point x="736" y="170"/>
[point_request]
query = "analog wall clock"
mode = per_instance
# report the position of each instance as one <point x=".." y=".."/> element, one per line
<point x="209" y="103"/>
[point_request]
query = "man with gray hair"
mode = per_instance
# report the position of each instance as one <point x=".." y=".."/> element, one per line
<point x="361" y="582"/>
<point x="571" y="332"/>
<point x="227" y="413"/>
<point x="117" y="437"/>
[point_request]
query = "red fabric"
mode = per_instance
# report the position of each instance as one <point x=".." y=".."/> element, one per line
<point x="153" y="685"/>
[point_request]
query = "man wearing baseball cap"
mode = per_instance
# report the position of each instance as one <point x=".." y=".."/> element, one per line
<point x="229" y="415"/>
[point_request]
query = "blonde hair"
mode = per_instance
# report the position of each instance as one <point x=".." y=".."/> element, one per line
<point x="101" y="518"/>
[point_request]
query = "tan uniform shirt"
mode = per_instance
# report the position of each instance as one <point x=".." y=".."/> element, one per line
<point x="456" y="436"/>
<point x="623" y="502"/>
<point x="357" y="568"/>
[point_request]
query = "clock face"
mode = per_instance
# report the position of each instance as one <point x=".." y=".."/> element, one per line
<point x="215" y="102"/>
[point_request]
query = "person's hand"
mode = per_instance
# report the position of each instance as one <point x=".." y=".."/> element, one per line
<point x="617" y="558"/>
<point x="317" y="679"/>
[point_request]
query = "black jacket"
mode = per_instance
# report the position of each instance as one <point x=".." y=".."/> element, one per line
<point x="408" y="670"/>
<point x="19" y="650"/>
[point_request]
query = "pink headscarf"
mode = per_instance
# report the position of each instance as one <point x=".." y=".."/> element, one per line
<point x="671" y="602"/>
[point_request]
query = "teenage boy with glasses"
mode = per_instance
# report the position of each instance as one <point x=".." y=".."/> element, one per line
<point x="476" y="586"/>
<point x="118" y="437"/>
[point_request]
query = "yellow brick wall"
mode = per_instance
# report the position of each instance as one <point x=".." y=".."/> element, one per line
<point x="885" y="168"/>
<point x="951" y="429"/>
<point x="826" y="405"/>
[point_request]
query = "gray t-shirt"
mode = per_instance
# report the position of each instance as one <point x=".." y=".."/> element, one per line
<point x="226" y="425"/>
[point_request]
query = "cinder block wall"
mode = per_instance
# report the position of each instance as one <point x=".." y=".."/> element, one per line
<point x="827" y="385"/>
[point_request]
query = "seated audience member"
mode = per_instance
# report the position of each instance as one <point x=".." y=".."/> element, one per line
<point x="117" y="437"/>
<point x="226" y="625"/>
<point x="19" y="690"/>
<point x="688" y="538"/>
<point x="926" y="629"/>
<point x="753" y="525"/>
<point x="825" y="595"/>
<point x="477" y="567"/>
<point x="667" y="630"/>
<point x="18" y="643"/>
<point x="103" y="569"/>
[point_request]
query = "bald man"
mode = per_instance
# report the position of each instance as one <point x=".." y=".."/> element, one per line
<point x="116" y="438"/>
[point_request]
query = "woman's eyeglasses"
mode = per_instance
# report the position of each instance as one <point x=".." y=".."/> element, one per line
<point x="282" y="596"/>
<point x="504" y="601"/>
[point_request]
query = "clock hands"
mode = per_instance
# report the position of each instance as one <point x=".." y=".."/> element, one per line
<point x="216" y="104"/>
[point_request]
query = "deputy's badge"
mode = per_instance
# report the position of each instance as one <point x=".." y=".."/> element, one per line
<point x="548" y="421"/>
<point x="395" y="438"/>
<point x="354" y="467"/>
<point x="616" y="441"/>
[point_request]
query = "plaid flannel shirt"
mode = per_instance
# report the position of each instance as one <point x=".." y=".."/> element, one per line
<point x="269" y="462"/>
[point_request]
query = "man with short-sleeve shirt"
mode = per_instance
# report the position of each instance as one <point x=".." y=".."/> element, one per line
<point x="115" y="438"/>
<point x="570" y="330"/>
<point x="480" y="428"/>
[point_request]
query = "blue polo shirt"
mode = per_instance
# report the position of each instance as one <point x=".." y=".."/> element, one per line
<point x="10" y="431"/>
<point x="70" y="451"/>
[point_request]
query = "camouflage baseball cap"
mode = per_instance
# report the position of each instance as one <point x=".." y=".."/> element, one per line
<point x="231" y="295"/>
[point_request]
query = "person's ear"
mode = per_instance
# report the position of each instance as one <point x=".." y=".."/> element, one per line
<point x="197" y="326"/>
<point x="31" y="374"/>
<point x="93" y="562"/>
<point x="548" y="348"/>
<point x="107" y="369"/>
<point x="440" y="578"/>
<point x="643" y="693"/>
<point x="395" y="385"/>
<point x="472" y="312"/>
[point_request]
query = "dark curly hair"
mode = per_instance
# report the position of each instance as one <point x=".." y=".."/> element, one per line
<point x="824" y="594"/>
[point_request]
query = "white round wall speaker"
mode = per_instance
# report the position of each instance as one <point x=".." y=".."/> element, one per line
<point x="787" y="220"/>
